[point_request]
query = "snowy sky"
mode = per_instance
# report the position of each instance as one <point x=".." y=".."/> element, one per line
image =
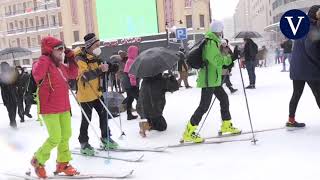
<point x="223" y="8"/>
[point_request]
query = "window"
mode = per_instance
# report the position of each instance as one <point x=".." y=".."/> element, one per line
<point x="34" y="42"/>
<point x="187" y="3"/>
<point x="11" y="26"/>
<point x="26" y="61"/>
<point x="29" y="42"/>
<point x="202" y="24"/>
<point x="17" y="63"/>
<point x="31" y="22"/>
<point x="21" y="24"/>
<point x="74" y="10"/>
<point x="18" y="42"/>
<point x="76" y="36"/>
<point x="54" y="20"/>
<point x="42" y="21"/>
<point x="189" y="21"/>
<point x="39" y="39"/>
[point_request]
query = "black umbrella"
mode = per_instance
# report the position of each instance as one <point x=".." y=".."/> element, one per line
<point x="154" y="61"/>
<point x="12" y="53"/>
<point x="247" y="34"/>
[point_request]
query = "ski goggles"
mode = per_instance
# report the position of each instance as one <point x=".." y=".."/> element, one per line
<point x="59" y="47"/>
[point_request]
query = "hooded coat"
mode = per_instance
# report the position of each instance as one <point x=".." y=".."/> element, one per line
<point x="52" y="79"/>
<point x="129" y="80"/>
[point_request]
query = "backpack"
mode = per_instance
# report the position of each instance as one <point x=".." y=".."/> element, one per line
<point x="31" y="90"/>
<point x="194" y="58"/>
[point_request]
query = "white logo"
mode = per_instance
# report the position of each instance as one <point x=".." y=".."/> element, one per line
<point x="294" y="29"/>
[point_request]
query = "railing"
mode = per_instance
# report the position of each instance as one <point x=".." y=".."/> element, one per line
<point x="34" y="28"/>
<point x="34" y="9"/>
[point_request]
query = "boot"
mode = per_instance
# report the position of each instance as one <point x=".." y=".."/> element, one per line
<point x="39" y="168"/>
<point x="87" y="149"/>
<point x="131" y="116"/>
<point x="292" y="123"/>
<point x="233" y="90"/>
<point x="65" y="168"/>
<point x="144" y="126"/>
<point x="108" y="143"/>
<point x="227" y="127"/>
<point x="251" y="86"/>
<point x="189" y="134"/>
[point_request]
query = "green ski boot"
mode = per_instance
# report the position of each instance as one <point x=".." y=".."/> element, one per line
<point x="87" y="149"/>
<point x="190" y="135"/>
<point x="227" y="128"/>
<point x="108" y="143"/>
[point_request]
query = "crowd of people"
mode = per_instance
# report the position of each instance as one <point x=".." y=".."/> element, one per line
<point x="58" y="65"/>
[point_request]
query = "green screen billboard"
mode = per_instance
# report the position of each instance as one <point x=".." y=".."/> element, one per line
<point x="126" y="18"/>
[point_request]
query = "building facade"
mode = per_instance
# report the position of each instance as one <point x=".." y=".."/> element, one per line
<point x="23" y="23"/>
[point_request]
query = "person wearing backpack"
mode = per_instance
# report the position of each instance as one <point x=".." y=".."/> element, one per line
<point x="51" y="76"/>
<point x="250" y="52"/>
<point x="90" y="92"/>
<point x="305" y="66"/>
<point x="209" y="80"/>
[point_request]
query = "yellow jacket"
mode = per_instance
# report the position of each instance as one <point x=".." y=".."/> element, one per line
<point x="88" y="81"/>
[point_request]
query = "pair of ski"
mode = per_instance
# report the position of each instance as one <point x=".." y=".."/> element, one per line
<point x="111" y="175"/>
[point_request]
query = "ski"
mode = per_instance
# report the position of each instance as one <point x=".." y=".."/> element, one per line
<point x="184" y="144"/>
<point x="97" y="155"/>
<point x="118" y="175"/>
<point x="243" y="133"/>
<point x="123" y="149"/>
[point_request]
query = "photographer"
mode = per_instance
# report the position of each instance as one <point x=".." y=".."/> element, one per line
<point x="91" y="76"/>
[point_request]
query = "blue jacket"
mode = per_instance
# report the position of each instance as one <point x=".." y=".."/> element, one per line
<point x="305" y="62"/>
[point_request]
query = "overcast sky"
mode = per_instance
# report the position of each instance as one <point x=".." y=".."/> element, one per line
<point x="223" y="8"/>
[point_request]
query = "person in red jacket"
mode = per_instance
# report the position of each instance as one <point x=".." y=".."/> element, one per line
<point x="52" y="76"/>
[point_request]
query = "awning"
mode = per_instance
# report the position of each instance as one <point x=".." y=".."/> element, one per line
<point x="272" y="27"/>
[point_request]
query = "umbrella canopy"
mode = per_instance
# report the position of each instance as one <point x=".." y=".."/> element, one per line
<point x="12" y="53"/>
<point x="247" y="34"/>
<point x="154" y="61"/>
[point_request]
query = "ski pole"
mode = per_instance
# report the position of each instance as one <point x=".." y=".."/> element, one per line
<point x="254" y="140"/>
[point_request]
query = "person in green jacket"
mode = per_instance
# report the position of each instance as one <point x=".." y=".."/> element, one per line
<point x="211" y="86"/>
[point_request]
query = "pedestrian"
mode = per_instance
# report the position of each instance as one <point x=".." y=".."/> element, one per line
<point x="305" y="66"/>
<point x="250" y="52"/>
<point x="153" y="99"/>
<point x="264" y="55"/>
<point x="287" y="50"/>
<point x="183" y="69"/>
<point x="22" y="83"/>
<point x="130" y="82"/>
<point x="52" y="76"/>
<point x="226" y="71"/>
<point x="90" y="77"/>
<point x="211" y="85"/>
<point x="8" y="79"/>
<point x="277" y="56"/>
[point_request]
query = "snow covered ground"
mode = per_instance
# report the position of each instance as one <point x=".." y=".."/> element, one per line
<point x="277" y="155"/>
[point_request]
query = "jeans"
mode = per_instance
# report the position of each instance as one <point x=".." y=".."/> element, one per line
<point x="251" y="65"/>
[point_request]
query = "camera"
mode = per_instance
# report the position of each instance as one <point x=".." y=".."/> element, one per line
<point x="113" y="67"/>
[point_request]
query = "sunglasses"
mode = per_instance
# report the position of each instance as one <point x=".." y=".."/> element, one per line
<point x="59" y="48"/>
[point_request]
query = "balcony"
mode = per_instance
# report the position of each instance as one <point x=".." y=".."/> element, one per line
<point x="32" y="29"/>
<point x="43" y="7"/>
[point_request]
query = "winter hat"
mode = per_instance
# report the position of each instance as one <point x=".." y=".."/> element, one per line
<point x="48" y="43"/>
<point x="216" y="26"/>
<point x="314" y="12"/>
<point x="89" y="40"/>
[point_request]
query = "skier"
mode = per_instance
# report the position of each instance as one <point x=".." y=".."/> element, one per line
<point x="8" y="78"/>
<point x="305" y="66"/>
<point x="216" y="60"/>
<point x="153" y="100"/>
<point x="130" y="82"/>
<point x="226" y="72"/>
<point x="91" y="73"/>
<point x="52" y="79"/>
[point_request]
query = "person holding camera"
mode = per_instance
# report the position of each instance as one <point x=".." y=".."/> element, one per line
<point x="91" y="74"/>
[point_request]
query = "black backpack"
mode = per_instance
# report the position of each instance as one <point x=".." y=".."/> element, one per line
<point x="30" y="92"/>
<point x="194" y="58"/>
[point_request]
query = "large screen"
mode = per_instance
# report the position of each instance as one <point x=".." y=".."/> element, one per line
<point x="126" y="18"/>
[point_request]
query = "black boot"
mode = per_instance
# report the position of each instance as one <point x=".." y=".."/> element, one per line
<point x="233" y="90"/>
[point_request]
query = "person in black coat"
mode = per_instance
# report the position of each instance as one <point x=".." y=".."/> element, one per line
<point x="153" y="101"/>
<point x="305" y="65"/>
<point x="287" y="50"/>
<point x="250" y="52"/>
<point x="9" y="91"/>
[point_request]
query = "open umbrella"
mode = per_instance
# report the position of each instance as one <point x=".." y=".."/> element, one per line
<point x="247" y="34"/>
<point x="154" y="61"/>
<point x="15" y="52"/>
